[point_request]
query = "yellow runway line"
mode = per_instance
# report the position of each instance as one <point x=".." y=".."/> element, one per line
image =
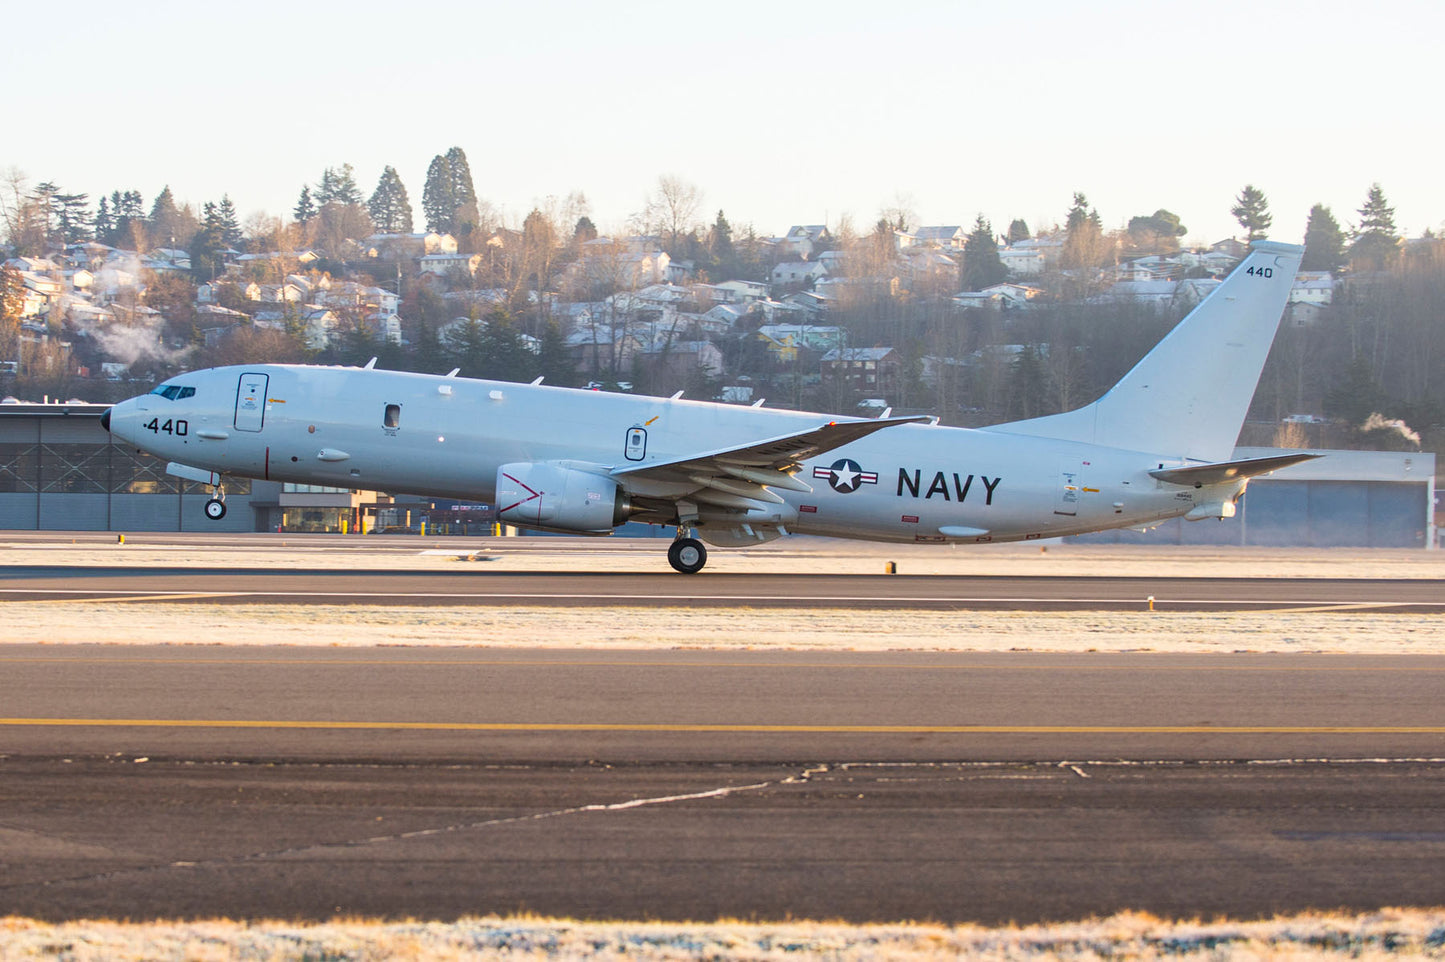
<point x="666" y="728"/>
<point x="108" y="599"/>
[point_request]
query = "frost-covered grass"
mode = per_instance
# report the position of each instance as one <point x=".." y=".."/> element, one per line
<point x="1391" y="933"/>
<point x="665" y="626"/>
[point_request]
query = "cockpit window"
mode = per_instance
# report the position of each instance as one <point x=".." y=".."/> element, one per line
<point x="174" y="392"/>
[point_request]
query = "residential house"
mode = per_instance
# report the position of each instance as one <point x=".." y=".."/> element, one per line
<point x="730" y="292"/>
<point x="952" y="237"/>
<point x="1233" y="248"/>
<point x="1022" y="261"/>
<point x="1192" y="290"/>
<point x="444" y="264"/>
<point x="802" y="239"/>
<point x="977" y="300"/>
<point x="1049" y="246"/>
<point x="868" y="370"/>
<point x="399" y="247"/>
<point x="784" y="340"/>
<point x="679" y="358"/>
<point x="798" y="273"/>
<point x="1014" y="296"/>
<point x="1151" y="268"/>
<point x="1156" y="293"/>
<point x="1313" y="287"/>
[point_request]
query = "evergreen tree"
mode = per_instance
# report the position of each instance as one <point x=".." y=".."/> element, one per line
<point x="1159" y="231"/>
<point x="584" y="231"/>
<point x="1080" y="213"/>
<point x="208" y="245"/>
<point x="338" y="187"/>
<point x="165" y="222"/>
<point x="463" y="191"/>
<point x="72" y="217"/>
<point x="720" y="248"/>
<point x="1355" y="396"/>
<point x="128" y="214"/>
<point x="1018" y="230"/>
<point x="1085" y="247"/>
<point x="1251" y="209"/>
<point x="982" y="267"/>
<point x="1324" y="241"/>
<point x="227" y="222"/>
<point x="1027" y="385"/>
<point x="1377" y="241"/>
<point x="438" y="198"/>
<point x="466" y="347"/>
<point x="104" y="224"/>
<point x="555" y="358"/>
<point x="507" y="356"/>
<point x="305" y="206"/>
<point x="390" y="208"/>
<point x="428" y="354"/>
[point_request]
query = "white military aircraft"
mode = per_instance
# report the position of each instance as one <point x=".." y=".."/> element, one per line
<point x="1158" y="445"/>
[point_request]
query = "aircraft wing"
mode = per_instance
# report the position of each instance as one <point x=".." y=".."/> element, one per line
<point x="742" y="472"/>
<point x="1197" y="474"/>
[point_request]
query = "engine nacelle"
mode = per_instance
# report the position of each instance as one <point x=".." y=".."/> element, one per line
<point x="559" y="498"/>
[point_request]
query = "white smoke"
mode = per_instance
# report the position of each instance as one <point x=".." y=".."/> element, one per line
<point x="1378" y="422"/>
<point x="127" y="344"/>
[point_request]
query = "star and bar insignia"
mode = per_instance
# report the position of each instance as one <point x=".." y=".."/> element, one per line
<point x="845" y="475"/>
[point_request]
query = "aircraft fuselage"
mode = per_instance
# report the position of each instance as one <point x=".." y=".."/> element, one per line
<point x="447" y="437"/>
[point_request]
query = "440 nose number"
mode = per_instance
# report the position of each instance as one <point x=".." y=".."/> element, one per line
<point x="177" y="427"/>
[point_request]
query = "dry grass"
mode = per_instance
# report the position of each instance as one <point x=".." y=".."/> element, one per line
<point x="1390" y="933"/>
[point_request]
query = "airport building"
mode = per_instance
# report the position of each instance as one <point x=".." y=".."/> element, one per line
<point x="60" y="471"/>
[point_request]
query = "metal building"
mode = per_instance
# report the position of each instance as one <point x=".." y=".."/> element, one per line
<point x="61" y="471"/>
<point x="1358" y="499"/>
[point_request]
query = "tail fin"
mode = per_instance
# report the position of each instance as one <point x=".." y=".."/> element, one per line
<point x="1189" y="395"/>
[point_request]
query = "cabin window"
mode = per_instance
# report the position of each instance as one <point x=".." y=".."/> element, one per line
<point x="392" y="417"/>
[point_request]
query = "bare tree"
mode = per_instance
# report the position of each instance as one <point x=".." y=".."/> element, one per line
<point x="673" y="209"/>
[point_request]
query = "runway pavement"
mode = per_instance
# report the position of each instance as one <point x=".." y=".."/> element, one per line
<point x="309" y="782"/>
<point x="691" y="785"/>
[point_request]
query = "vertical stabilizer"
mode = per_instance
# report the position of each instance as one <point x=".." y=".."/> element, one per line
<point x="1188" y="397"/>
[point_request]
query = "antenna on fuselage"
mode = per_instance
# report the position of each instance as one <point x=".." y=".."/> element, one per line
<point x="453" y="372"/>
<point x="370" y="365"/>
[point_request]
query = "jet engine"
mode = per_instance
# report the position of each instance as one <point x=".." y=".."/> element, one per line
<point x="559" y="498"/>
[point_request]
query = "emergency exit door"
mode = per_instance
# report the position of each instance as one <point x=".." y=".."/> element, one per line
<point x="251" y="402"/>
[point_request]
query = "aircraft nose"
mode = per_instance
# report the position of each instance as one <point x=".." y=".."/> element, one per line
<point x="105" y="420"/>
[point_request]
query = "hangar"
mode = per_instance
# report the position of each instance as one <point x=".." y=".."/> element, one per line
<point x="60" y="471"/>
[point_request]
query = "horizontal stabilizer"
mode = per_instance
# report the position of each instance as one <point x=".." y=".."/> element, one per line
<point x="1196" y="474"/>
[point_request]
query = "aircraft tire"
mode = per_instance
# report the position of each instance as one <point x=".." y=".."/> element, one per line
<point x="215" y="509"/>
<point x="687" y="555"/>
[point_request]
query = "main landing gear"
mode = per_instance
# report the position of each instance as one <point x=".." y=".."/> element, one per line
<point x="687" y="554"/>
<point x="216" y="507"/>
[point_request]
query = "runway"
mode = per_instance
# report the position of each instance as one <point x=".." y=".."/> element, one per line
<point x="482" y="586"/>
<point x="305" y="782"/>
<point x="436" y="783"/>
<point x="738" y="707"/>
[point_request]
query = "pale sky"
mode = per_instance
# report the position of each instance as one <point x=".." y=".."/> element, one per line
<point x="781" y="113"/>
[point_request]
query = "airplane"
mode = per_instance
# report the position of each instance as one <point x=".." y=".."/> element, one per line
<point x="1158" y="445"/>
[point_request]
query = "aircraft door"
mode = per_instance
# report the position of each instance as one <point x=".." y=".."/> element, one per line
<point x="635" y="448"/>
<point x="251" y="401"/>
